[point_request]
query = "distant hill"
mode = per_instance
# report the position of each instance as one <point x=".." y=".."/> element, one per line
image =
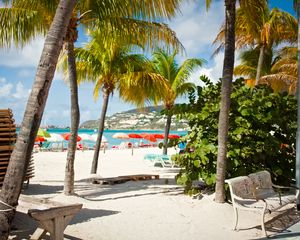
<point x="141" y="118"/>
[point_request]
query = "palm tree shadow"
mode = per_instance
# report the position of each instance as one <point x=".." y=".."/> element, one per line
<point x="97" y="192"/>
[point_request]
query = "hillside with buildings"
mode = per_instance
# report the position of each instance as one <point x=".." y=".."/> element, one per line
<point x="146" y="118"/>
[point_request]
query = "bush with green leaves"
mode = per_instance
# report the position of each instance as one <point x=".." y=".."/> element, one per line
<point x="262" y="133"/>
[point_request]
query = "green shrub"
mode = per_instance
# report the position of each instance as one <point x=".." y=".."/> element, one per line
<point x="262" y="133"/>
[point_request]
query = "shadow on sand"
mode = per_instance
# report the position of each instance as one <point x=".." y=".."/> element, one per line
<point x="24" y="226"/>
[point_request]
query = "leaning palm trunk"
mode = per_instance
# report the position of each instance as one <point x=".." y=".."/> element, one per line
<point x="298" y="109"/>
<point x="106" y="94"/>
<point x="260" y="64"/>
<point x="225" y="99"/>
<point x="167" y="131"/>
<point x="75" y="116"/>
<point x="33" y="114"/>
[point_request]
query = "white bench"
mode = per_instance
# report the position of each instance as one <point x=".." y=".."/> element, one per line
<point x="256" y="192"/>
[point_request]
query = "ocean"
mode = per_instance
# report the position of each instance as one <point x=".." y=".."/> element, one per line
<point x="109" y="133"/>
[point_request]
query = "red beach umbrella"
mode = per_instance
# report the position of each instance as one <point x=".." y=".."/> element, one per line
<point x="134" y="135"/>
<point x="172" y="136"/>
<point x="149" y="137"/>
<point x="39" y="139"/>
<point x="67" y="136"/>
<point x="158" y="135"/>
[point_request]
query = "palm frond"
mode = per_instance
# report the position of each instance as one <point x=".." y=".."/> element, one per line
<point x="244" y="70"/>
<point x="140" y="87"/>
<point x="19" y="26"/>
<point x="185" y="71"/>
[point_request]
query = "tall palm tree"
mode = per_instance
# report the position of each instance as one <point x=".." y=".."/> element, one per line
<point x="229" y="51"/>
<point x="264" y="30"/>
<point x="112" y="66"/>
<point x="177" y="76"/>
<point x="34" y="110"/>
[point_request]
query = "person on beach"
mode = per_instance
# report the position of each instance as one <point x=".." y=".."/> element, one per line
<point x="182" y="146"/>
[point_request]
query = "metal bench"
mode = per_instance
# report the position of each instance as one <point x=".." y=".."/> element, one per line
<point x="256" y="192"/>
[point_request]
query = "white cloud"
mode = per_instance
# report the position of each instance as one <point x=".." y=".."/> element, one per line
<point x="24" y="73"/>
<point x="27" y="57"/>
<point x="196" y="28"/>
<point x="5" y="89"/>
<point x="21" y="91"/>
<point x="2" y="80"/>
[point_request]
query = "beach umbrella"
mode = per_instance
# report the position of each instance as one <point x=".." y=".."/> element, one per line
<point x="67" y="136"/>
<point x="43" y="133"/>
<point x="158" y="135"/>
<point x="172" y="136"/>
<point x="134" y="135"/>
<point x="39" y="139"/>
<point x="54" y="137"/>
<point x="149" y="137"/>
<point x="85" y="136"/>
<point x="94" y="138"/>
<point x="121" y="135"/>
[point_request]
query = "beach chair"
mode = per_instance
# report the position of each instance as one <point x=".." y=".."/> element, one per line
<point x="162" y="161"/>
<point x="159" y="160"/>
<point x="45" y="147"/>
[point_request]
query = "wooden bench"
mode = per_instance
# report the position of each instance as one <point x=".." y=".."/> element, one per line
<point x="52" y="217"/>
<point x="256" y="192"/>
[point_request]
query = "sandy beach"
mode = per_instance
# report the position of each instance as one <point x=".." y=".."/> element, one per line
<point x="144" y="210"/>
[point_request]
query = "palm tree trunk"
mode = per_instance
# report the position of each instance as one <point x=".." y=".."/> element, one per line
<point x="298" y="109"/>
<point x="167" y="131"/>
<point x="75" y="116"/>
<point x="106" y="94"/>
<point x="225" y="99"/>
<point x="260" y="64"/>
<point x="21" y="155"/>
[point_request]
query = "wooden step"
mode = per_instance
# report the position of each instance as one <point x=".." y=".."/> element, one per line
<point x="7" y="129"/>
<point x="6" y="148"/>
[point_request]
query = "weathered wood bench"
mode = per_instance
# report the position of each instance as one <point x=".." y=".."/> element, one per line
<point x="256" y="192"/>
<point x="52" y="217"/>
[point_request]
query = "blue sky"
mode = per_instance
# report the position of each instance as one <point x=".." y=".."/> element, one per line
<point x="195" y="27"/>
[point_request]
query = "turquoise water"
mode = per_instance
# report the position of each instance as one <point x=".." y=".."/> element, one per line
<point x="109" y="133"/>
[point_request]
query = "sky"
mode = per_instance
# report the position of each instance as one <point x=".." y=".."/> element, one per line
<point x="194" y="26"/>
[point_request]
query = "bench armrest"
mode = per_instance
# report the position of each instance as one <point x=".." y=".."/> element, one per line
<point x="284" y="187"/>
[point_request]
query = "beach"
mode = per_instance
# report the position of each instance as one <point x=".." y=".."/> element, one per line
<point x="148" y="209"/>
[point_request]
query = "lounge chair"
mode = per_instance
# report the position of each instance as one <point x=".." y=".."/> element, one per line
<point x="159" y="160"/>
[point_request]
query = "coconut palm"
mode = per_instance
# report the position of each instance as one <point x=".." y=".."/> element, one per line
<point x="229" y="51"/>
<point x="247" y="67"/>
<point x="34" y="110"/>
<point x="112" y="66"/>
<point x="283" y="74"/>
<point x="177" y="76"/>
<point x="264" y="30"/>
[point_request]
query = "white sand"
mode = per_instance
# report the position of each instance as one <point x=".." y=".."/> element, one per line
<point x="141" y="210"/>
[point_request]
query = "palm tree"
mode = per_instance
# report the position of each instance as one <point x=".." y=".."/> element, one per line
<point x="264" y="30"/>
<point x="228" y="63"/>
<point x="113" y="66"/>
<point x="34" y="110"/>
<point x="283" y="74"/>
<point x="248" y="65"/>
<point x="177" y="76"/>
